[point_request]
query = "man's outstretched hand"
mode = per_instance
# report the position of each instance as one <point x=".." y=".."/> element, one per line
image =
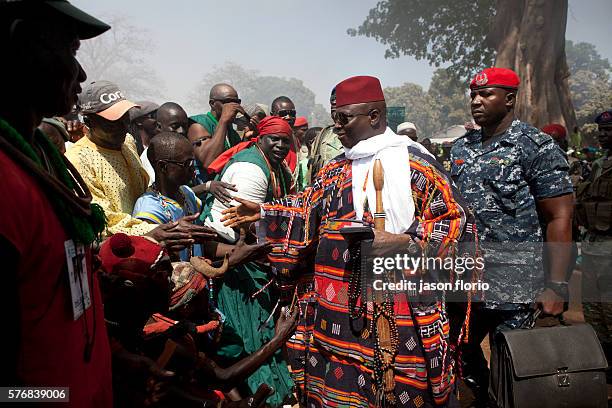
<point x="180" y="234"/>
<point x="244" y="252"/>
<point x="245" y="213"/>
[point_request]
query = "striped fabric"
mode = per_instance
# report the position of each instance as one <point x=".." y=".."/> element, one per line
<point x="331" y="356"/>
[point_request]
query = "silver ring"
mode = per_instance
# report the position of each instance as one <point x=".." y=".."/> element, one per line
<point x="250" y="401"/>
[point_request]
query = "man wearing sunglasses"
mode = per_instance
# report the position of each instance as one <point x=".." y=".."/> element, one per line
<point x="212" y="133"/>
<point x="172" y="158"/>
<point x="331" y="357"/>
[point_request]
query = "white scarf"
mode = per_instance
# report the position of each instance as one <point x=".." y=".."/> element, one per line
<point x="392" y="150"/>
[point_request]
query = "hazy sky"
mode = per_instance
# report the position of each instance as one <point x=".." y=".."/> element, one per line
<point x="305" y="39"/>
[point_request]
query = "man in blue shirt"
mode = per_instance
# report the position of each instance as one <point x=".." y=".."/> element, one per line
<point x="516" y="180"/>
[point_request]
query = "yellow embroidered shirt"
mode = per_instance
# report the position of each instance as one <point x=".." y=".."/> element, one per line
<point x="116" y="179"/>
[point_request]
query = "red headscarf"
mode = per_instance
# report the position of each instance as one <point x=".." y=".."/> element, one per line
<point x="270" y="125"/>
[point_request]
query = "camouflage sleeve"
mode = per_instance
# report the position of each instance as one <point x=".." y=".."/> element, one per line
<point x="547" y="172"/>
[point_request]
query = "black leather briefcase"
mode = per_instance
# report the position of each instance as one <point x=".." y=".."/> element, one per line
<point x="560" y="366"/>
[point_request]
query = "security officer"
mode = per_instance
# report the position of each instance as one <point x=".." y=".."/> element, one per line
<point x="511" y="174"/>
<point x="594" y="211"/>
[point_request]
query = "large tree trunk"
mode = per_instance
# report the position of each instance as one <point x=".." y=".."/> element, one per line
<point x="529" y="36"/>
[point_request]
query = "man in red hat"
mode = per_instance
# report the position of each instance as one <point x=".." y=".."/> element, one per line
<point x="516" y="179"/>
<point x="335" y="357"/>
<point x="558" y="133"/>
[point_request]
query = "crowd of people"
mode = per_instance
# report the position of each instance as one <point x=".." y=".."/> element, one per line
<point x="153" y="258"/>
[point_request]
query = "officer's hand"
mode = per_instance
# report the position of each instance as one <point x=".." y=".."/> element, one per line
<point x="550" y="302"/>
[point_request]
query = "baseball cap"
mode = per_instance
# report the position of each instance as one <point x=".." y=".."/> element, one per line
<point x="104" y="98"/>
<point x="142" y="108"/>
<point x="86" y="25"/>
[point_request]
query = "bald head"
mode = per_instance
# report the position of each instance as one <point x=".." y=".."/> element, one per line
<point x="172" y="118"/>
<point x="281" y="102"/>
<point x="222" y="91"/>
<point x="221" y="94"/>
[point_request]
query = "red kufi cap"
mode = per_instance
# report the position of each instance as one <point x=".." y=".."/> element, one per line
<point x="359" y="89"/>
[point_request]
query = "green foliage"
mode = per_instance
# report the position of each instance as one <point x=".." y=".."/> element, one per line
<point x="255" y="88"/>
<point x="590" y="81"/>
<point x="451" y="98"/>
<point x="584" y="57"/>
<point x="439" y="31"/>
<point x="443" y="105"/>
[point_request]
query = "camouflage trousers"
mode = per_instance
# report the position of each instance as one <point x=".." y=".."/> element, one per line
<point x="597" y="299"/>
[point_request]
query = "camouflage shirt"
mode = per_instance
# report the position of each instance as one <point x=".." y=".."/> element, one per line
<point x="502" y="182"/>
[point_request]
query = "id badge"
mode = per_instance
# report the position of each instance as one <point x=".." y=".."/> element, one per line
<point x="76" y="261"/>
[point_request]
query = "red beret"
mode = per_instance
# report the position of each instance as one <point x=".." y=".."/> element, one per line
<point x="555" y="128"/>
<point x="358" y="89"/>
<point x="495" y="78"/>
<point x="136" y="255"/>
<point x="300" y="121"/>
<point x="274" y="125"/>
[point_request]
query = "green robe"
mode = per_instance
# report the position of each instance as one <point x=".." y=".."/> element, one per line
<point x="241" y="334"/>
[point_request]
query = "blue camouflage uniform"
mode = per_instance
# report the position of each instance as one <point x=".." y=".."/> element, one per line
<point x="502" y="182"/>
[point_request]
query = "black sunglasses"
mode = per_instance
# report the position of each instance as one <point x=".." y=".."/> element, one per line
<point x="199" y="141"/>
<point x="286" y="112"/>
<point x="343" y="118"/>
<point x="228" y="100"/>
<point x="186" y="164"/>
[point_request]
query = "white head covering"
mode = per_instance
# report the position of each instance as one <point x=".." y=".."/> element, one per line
<point x="406" y="126"/>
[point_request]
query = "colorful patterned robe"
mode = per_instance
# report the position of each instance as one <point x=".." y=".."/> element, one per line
<point x="330" y="356"/>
